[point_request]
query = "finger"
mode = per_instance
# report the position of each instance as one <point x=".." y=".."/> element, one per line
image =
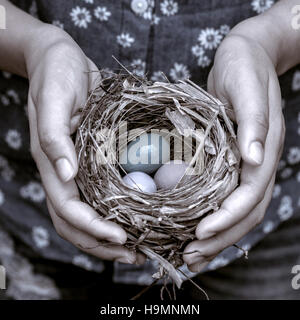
<point x="254" y="181"/>
<point x="211" y="88"/>
<point x="248" y="95"/>
<point x="65" y="197"/>
<point x="211" y="83"/>
<point x="94" y="74"/>
<point x="54" y="105"/>
<point x="89" y="244"/>
<point x="240" y="203"/>
<point x="206" y="249"/>
<point x="93" y="80"/>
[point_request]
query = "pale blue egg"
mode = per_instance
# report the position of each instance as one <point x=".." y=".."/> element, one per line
<point x="146" y="153"/>
<point x="140" y="181"/>
<point x="168" y="175"/>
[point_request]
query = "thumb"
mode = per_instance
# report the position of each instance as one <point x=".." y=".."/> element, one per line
<point x="249" y="98"/>
<point x="54" y="112"/>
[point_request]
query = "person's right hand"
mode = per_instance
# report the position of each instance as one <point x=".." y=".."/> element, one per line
<point x="244" y="76"/>
<point x="59" y="84"/>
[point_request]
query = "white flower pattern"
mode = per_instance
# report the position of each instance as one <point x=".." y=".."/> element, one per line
<point x="198" y="51"/>
<point x="286" y="173"/>
<point x="155" y="19"/>
<point x="13" y="95"/>
<point x="147" y="12"/>
<point x="285" y="210"/>
<point x="203" y="61"/>
<point x="4" y="100"/>
<point x="102" y="14"/>
<point x="33" y="191"/>
<point x="6" y="172"/>
<point x="13" y="139"/>
<point x="207" y="41"/>
<point x="179" y="72"/>
<point x="158" y="76"/>
<point x="40" y="236"/>
<point x="169" y="7"/>
<point x="82" y="261"/>
<point x="138" y="67"/>
<point x="210" y="38"/>
<point x="125" y="40"/>
<point x="224" y="29"/>
<point x="58" y="24"/>
<point x="293" y="156"/>
<point x="81" y="17"/>
<point x="9" y="97"/>
<point x="276" y="191"/>
<point x="268" y="226"/>
<point x="281" y="164"/>
<point x="260" y="6"/>
<point x="296" y="81"/>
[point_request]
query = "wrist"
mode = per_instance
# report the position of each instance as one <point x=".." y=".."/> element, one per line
<point x="40" y="41"/>
<point x="261" y="30"/>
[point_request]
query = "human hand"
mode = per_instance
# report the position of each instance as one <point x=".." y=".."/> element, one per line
<point x="59" y="84"/>
<point x="244" y="76"/>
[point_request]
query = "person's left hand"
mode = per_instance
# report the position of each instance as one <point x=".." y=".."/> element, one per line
<point x="244" y="76"/>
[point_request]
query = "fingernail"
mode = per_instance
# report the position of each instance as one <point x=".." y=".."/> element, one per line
<point x="114" y="240"/>
<point x="205" y="235"/>
<point x="126" y="259"/>
<point x="256" y="152"/>
<point x="196" y="259"/>
<point x="197" y="267"/>
<point x="64" y="169"/>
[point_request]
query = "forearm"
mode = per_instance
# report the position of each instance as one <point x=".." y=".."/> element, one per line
<point x="20" y="26"/>
<point x="274" y="31"/>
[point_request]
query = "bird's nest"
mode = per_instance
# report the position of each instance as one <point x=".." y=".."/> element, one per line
<point x="158" y="224"/>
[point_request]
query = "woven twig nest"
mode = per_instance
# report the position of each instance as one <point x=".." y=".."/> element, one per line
<point x="158" y="224"/>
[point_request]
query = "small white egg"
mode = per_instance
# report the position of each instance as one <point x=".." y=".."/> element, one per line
<point x="140" y="181"/>
<point x="168" y="175"/>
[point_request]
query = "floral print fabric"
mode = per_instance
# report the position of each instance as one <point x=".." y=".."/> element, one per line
<point x="177" y="38"/>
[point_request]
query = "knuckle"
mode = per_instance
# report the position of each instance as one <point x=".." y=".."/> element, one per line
<point x="192" y="252"/>
<point x="258" y="219"/>
<point x="60" y="230"/>
<point x="48" y="140"/>
<point x="60" y="207"/>
<point x="261" y="119"/>
<point x="258" y="197"/>
<point x="34" y="150"/>
<point x="254" y="192"/>
<point x="64" y="208"/>
<point x="258" y="120"/>
<point x="220" y="244"/>
<point x="92" y="222"/>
